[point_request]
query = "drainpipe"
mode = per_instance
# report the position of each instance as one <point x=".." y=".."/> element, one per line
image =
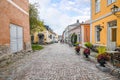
<point x="91" y="22"/>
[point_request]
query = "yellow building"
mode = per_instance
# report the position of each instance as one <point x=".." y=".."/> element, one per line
<point x="49" y="36"/>
<point x="36" y="39"/>
<point x="105" y="24"/>
<point x="40" y="30"/>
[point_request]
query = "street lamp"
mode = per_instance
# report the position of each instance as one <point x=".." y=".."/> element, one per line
<point x="115" y="9"/>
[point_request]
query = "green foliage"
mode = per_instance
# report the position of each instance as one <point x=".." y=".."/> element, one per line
<point x="88" y="45"/>
<point x="36" y="24"/>
<point x="77" y="43"/>
<point x="36" y="47"/>
<point x="73" y="38"/>
<point x="101" y="49"/>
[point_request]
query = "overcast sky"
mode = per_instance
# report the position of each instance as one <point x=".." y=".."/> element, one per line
<point x="58" y="14"/>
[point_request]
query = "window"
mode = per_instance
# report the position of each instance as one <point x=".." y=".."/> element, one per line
<point x="110" y="1"/>
<point x="50" y="36"/>
<point x="113" y="23"/>
<point x="97" y="33"/>
<point x="97" y="6"/>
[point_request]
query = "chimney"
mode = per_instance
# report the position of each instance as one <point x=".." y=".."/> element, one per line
<point x="82" y="21"/>
<point x="77" y="21"/>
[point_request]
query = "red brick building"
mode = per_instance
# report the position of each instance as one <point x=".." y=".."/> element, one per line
<point x="14" y="26"/>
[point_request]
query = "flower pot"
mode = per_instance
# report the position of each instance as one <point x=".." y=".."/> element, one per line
<point x="86" y="52"/>
<point x="86" y="55"/>
<point x="102" y="62"/>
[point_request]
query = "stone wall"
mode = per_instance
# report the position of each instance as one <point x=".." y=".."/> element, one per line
<point x="27" y="46"/>
<point x="4" y="49"/>
<point x="7" y="59"/>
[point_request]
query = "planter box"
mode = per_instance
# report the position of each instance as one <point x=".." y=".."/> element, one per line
<point x="104" y="69"/>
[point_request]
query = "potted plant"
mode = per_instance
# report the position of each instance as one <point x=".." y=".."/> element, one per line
<point x="77" y="48"/>
<point x="102" y="56"/>
<point x="86" y="51"/>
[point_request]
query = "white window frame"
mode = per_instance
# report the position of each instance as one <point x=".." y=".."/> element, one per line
<point x="110" y="2"/>
<point x="96" y="34"/>
<point x="97" y="6"/>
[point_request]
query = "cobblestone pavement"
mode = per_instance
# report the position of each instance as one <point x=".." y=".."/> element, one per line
<point x="56" y="62"/>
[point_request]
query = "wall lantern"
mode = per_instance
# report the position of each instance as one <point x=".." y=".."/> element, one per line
<point x="115" y="9"/>
<point x="100" y="28"/>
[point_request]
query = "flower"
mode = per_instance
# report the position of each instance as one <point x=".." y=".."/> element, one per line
<point x="86" y="51"/>
<point x="103" y="56"/>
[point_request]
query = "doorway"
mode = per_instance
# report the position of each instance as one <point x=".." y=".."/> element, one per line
<point x="112" y="35"/>
<point x="16" y="38"/>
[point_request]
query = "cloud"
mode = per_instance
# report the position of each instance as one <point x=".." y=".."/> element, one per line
<point x="61" y="13"/>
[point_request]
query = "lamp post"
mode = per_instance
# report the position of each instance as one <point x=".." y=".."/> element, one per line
<point x="115" y="9"/>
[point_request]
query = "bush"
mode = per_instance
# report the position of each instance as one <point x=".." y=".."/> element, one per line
<point x="73" y="39"/>
<point x="88" y="45"/>
<point x="101" y="49"/>
<point x="36" y="47"/>
<point x="77" y="43"/>
<point x="102" y="53"/>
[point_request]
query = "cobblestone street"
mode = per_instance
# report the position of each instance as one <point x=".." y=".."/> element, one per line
<point x="56" y="62"/>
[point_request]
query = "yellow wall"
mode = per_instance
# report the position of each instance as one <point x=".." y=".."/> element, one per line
<point x="118" y="31"/>
<point x="104" y="9"/>
<point x="36" y="36"/>
<point x="103" y="33"/>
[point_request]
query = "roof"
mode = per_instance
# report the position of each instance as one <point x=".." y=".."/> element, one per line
<point x="75" y="24"/>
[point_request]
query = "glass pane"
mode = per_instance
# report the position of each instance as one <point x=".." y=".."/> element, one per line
<point x="97" y="5"/>
<point x="97" y="34"/>
<point x="113" y="1"/>
<point x="113" y="23"/>
<point x="109" y="2"/>
<point x="114" y="34"/>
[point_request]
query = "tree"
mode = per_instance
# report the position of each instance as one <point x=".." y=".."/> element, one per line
<point x="73" y="38"/>
<point x="36" y="25"/>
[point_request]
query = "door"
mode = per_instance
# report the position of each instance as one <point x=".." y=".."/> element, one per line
<point x="16" y="38"/>
<point x="112" y="36"/>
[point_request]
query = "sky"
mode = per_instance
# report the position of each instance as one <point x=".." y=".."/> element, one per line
<point x="58" y="14"/>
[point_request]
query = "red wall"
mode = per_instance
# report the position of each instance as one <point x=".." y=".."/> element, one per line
<point x="10" y="14"/>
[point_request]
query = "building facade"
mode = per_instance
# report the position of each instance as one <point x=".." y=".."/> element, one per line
<point x="14" y="26"/>
<point x="48" y="37"/>
<point x="85" y="33"/>
<point x="82" y="31"/>
<point x="105" y="24"/>
<point x="69" y="30"/>
<point x="75" y="29"/>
